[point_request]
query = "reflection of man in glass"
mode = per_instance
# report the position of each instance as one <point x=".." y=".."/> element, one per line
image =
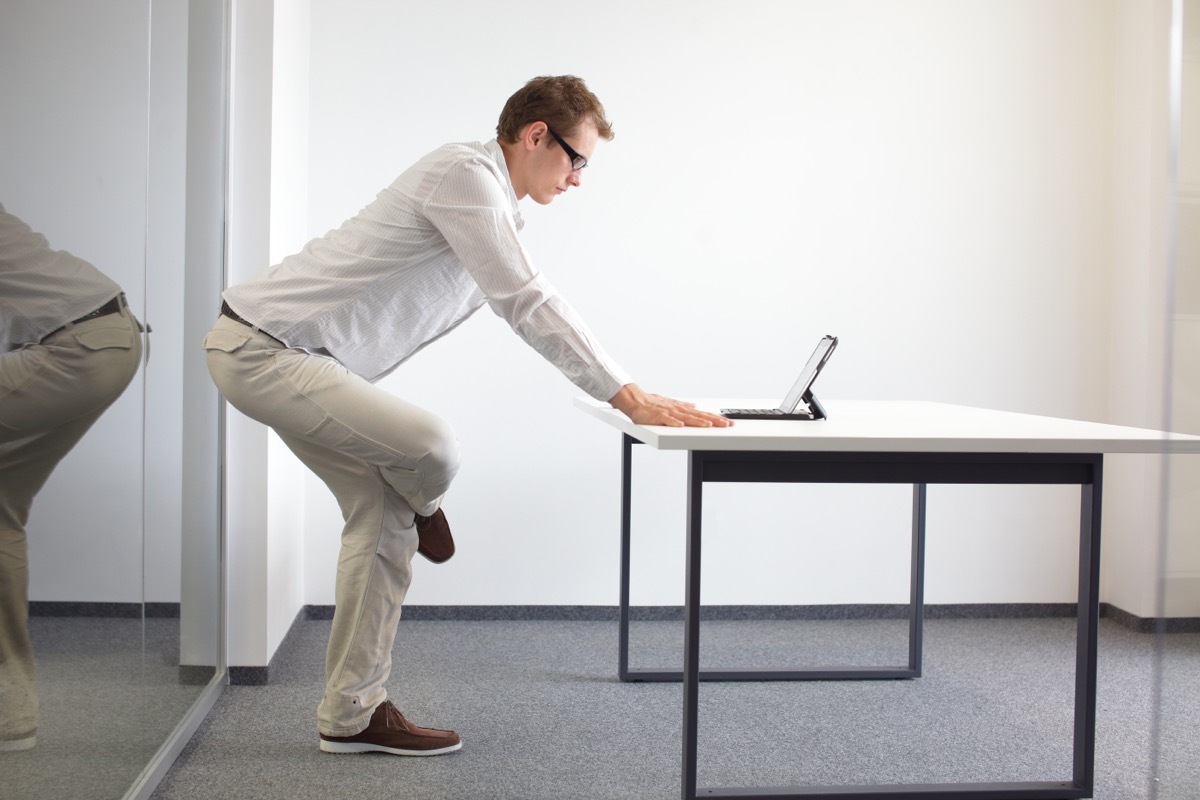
<point x="68" y="348"/>
<point x="300" y="346"/>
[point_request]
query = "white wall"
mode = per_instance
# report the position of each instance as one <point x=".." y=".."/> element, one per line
<point x="929" y="180"/>
<point x="248" y="600"/>
<point x="289" y="206"/>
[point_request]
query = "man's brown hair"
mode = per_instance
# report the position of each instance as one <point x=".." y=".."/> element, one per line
<point x="561" y="101"/>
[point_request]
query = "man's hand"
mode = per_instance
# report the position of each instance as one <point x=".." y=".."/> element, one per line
<point x="653" y="409"/>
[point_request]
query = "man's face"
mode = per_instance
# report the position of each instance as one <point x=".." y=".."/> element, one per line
<point x="551" y="172"/>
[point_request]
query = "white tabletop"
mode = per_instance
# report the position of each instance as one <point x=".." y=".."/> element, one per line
<point x="899" y="426"/>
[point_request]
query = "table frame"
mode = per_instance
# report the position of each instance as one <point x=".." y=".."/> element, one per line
<point x="916" y="608"/>
<point x="918" y="469"/>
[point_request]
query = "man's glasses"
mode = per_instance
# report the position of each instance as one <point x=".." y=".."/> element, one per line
<point x="578" y="162"/>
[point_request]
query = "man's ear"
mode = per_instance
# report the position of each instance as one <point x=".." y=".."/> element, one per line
<point x="535" y="133"/>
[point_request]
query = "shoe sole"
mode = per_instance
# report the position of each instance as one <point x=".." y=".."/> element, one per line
<point x="22" y="744"/>
<point x="433" y="558"/>
<point x="365" y="747"/>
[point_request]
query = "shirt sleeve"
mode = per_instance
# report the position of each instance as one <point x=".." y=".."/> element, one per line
<point x="471" y="210"/>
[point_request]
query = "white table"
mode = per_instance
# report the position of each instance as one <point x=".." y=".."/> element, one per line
<point x="906" y="442"/>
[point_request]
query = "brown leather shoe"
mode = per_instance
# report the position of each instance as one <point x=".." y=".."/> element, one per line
<point x="435" y="541"/>
<point x="390" y="732"/>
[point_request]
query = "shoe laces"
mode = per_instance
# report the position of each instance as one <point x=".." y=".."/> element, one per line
<point x="392" y="713"/>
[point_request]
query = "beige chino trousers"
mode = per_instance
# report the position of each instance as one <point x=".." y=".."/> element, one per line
<point x="383" y="458"/>
<point x="50" y="395"/>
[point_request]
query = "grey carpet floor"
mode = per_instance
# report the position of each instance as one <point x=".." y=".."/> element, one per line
<point x="542" y="714"/>
<point x="109" y="696"/>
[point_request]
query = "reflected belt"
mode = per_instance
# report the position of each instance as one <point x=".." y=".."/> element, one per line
<point x="111" y="307"/>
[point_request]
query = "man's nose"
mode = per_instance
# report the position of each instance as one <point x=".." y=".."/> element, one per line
<point x="574" y="177"/>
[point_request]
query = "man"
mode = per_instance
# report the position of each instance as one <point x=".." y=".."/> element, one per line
<point x="299" y="347"/>
<point x="68" y="348"/>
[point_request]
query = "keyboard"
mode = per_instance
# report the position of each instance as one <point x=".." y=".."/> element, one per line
<point x="763" y="413"/>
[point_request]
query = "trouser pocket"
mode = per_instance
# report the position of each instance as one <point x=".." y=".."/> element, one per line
<point x="225" y="341"/>
<point x="105" y="339"/>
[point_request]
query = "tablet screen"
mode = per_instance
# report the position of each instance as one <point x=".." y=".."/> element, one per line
<point x="808" y="374"/>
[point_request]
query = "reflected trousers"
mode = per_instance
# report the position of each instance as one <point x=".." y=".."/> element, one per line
<point x="383" y="458"/>
<point x="50" y="395"/>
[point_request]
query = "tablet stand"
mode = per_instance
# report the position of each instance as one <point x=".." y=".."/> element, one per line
<point x="818" y="410"/>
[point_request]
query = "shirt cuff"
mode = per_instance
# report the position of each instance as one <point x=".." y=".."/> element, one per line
<point x="602" y="381"/>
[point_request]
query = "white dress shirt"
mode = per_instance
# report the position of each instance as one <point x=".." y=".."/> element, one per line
<point x="414" y="264"/>
<point x="42" y="289"/>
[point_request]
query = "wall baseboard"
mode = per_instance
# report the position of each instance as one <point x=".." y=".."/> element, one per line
<point x="249" y="676"/>
<point x="261" y="675"/>
<point x="1150" y="624"/>
<point x="739" y="612"/>
<point x="56" y="608"/>
<point x="746" y="612"/>
<point x="195" y="674"/>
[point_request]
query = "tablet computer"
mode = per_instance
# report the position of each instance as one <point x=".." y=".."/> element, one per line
<point x="801" y="391"/>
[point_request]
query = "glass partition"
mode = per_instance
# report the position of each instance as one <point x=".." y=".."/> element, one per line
<point x="1176" y="768"/>
<point x="111" y="181"/>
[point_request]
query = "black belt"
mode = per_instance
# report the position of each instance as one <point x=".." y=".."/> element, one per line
<point x="233" y="315"/>
<point x="111" y="307"/>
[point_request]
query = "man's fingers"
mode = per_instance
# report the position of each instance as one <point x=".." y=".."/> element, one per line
<point x="702" y="419"/>
<point x="679" y="413"/>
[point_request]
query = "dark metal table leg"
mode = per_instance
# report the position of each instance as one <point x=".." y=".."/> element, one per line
<point x="691" y="630"/>
<point x="1087" y="633"/>
<point x="916" y="594"/>
<point x="626" y="517"/>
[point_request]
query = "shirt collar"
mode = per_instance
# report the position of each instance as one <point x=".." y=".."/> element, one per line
<point x="497" y="153"/>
